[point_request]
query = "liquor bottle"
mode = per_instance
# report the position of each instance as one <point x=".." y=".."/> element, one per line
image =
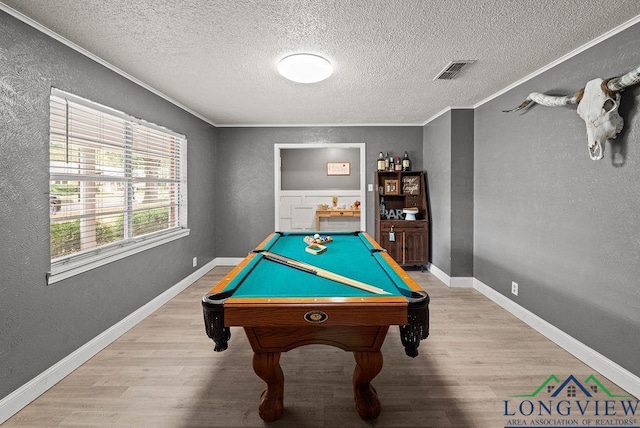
<point x="406" y="162"/>
<point x="386" y="162"/>
<point x="392" y="165"/>
<point x="398" y="164"/>
<point x="383" y="208"/>
<point x="381" y="162"/>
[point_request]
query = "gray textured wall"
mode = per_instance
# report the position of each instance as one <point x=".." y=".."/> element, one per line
<point x="462" y="147"/>
<point x="245" y="179"/>
<point x="42" y="324"/>
<point x="448" y="160"/>
<point x="437" y="163"/>
<point x="306" y="169"/>
<point x="564" y="227"/>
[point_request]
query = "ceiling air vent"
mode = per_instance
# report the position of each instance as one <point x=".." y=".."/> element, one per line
<point x="452" y="69"/>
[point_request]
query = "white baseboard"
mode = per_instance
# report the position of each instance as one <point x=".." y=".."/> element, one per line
<point x="451" y="281"/>
<point x="31" y="390"/>
<point x="614" y="372"/>
<point x="228" y="261"/>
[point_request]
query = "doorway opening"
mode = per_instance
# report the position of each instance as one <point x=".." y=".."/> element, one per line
<point x="320" y="187"/>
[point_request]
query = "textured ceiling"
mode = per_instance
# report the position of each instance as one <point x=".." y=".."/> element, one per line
<point x="218" y="58"/>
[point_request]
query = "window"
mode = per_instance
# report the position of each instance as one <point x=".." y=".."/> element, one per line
<point x="117" y="185"/>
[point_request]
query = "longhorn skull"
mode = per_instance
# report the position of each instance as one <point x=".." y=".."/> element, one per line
<point x="598" y="104"/>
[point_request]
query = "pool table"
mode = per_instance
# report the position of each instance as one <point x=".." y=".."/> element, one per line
<point x="284" y="297"/>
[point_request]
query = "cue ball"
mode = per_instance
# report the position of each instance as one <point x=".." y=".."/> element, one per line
<point x="316" y="236"/>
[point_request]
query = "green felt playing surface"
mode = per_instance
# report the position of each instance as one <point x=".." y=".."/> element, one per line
<point x="348" y="255"/>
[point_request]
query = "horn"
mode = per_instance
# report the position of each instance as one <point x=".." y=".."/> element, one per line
<point x="617" y="84"/>
<point x="549" y="100"/>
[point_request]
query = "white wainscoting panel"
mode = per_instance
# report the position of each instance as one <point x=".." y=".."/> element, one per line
<point x="297" y="209"/>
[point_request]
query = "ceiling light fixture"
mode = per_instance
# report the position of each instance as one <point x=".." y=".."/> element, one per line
<point x="305" y="68"/>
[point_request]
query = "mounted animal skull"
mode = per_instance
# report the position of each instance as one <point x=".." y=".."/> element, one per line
<point x="598" y="104"/>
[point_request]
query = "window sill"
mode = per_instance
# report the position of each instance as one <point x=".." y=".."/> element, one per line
<point x="63" y="269"/>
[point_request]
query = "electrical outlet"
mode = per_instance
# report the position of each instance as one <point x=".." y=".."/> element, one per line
<point x="370" y="187"/>
<point x="195" y="261"/>
<point x="514" y="288"/>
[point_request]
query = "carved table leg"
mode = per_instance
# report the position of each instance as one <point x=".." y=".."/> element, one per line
<point x="368" y="365"/>
<point x="267" y="367"/>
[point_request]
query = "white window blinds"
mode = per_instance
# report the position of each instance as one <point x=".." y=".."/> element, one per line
<point x="114" y="180"/>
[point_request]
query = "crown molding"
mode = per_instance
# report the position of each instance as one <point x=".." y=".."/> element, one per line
<point x="97" y="59"/>
<point x="562" y="59"/>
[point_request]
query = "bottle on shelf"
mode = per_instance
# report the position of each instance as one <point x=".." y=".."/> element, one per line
<point x="406" y="162"/>
<point x="381" y="162"/>
<point x="398" y="164"/>
<point x="386" y="162"/>
<point x="391" y="164"/>
<point x="383" y="208"/>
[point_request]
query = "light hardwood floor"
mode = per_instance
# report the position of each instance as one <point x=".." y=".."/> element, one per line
<point x="164" y="373"/>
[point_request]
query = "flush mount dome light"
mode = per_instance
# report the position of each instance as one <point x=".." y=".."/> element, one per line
<point x="305" y="68"/>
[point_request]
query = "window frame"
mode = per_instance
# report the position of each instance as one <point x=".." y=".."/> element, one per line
<point x="82" y="261"/>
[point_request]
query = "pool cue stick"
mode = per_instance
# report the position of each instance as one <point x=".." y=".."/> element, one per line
<point x="323" y="273"/>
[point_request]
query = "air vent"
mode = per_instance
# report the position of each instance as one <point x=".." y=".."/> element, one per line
<point x="453" y="69"/>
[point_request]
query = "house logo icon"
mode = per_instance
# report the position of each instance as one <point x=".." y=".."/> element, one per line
<point x="571" y="387"/>
<point x="572" y="402"/>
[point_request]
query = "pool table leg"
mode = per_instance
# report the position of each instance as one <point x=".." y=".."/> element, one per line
<point x="368" y="365"/>
<point x="267" y="367"/>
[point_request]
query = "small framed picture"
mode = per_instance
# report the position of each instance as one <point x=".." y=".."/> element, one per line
<point x="391" y="187"/>
<point x="411" y="185"/>
<point x="338" y="168"/>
